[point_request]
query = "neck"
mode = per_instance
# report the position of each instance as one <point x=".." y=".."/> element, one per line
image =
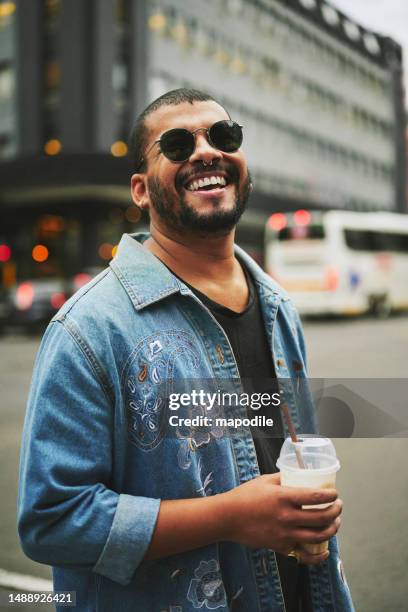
<point x="192" y="256"/>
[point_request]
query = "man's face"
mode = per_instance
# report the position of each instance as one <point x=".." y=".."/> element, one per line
<point x="171" y="188"/>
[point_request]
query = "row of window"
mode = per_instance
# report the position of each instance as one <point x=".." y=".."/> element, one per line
<point x="121" y="69"/>
<point x="51" y="68"/>
<point x="7" y="14"/>
<point x="8" y="135"/>
<point x="315" y="145"/>
<point x="299" y="189"/>
<point x="308" y="92"/>
<point x="366" y="205"/>
<point x="376" y="241"/>
<point x="271" y="20"/>
<point x="289" y="186"/>
<point x="303" y="40"/>
<point x="358" y="240"/>
<point x="7" y="80"/>
<point x="7" y="145"/>
<point x="265" y="70"/>
<point x="284" y="134"/>
<point x="311" y="232"/>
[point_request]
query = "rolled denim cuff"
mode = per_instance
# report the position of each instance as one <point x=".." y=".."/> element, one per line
<point x="129" y="537"/>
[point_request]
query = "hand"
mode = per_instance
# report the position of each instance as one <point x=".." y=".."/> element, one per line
<point x="264" y="514"/>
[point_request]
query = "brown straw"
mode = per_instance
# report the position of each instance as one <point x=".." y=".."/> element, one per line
<point x="293" y="436"/>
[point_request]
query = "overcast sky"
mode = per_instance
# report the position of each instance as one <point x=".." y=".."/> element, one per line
<point x="388" y="17"/>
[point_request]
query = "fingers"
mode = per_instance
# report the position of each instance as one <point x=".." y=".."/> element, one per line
<point x="315" y="536"/>
<point x="298" y="496"/>
<point x="309" y="559"/>
<point x="313" y="517"/>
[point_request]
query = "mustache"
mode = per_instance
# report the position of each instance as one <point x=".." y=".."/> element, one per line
<point x="230" y="170"/>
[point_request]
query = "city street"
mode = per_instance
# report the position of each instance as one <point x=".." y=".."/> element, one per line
<point x="372" y="480"/>
<point x="117" y="116"/>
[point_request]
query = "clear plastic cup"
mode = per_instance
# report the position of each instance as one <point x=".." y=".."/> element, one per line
<point x="319" y="462"/>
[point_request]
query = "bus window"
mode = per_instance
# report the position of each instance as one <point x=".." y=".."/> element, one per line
<point x="387" y="241"/>
<point x="373" y="241"/>
<point x="359" y="240"/>
<point x="403" y="243"/>
<point x="395" y="242"/>
<point x="356" y="240"/>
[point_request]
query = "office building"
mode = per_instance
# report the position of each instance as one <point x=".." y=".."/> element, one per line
<point x="319" y="96"/>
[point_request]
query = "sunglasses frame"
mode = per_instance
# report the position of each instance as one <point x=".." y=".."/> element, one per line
<point x="206" y="130"/>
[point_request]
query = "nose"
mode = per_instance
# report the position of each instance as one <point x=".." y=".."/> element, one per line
<point x="204" y="151"/>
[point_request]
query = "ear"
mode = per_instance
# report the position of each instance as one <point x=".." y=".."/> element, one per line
<point x="138" y="189"/>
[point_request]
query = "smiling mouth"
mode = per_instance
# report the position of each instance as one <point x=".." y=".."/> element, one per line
<point x="209" y="182"/>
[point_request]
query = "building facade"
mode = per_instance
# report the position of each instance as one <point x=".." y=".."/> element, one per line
<point x="319" y="96"/>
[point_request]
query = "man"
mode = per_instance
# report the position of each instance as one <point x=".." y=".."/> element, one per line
<point x="130" y="516"/>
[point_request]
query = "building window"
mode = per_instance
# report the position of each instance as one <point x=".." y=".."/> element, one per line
<point x="52" y="11"/>
<point x="7" y="81"/>
<point x="4" y="145"/>
<point x="51" y="67"/>
<point x="7" y="12"/>
<point x="120" y="69"/>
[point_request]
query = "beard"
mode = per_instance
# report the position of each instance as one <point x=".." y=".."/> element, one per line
<point x="181" y="216"/>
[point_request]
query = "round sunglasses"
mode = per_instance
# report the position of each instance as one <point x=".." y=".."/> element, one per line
<point x="178" y="144"/>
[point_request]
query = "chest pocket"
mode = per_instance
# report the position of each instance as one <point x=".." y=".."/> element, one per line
<point x="147" y="380"/>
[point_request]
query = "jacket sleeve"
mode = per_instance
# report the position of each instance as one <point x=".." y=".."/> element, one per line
<point x="68" y="513"/>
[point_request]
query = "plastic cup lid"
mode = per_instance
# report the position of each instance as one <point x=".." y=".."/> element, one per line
<point x="310" y="448"/>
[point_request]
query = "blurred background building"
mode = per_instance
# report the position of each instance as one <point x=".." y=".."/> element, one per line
<point x="320" y="98"/>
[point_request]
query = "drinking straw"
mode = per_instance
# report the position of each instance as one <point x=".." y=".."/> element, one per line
<point x="293" y="436"/>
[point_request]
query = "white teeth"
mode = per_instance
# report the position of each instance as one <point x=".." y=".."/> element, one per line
<point x="208" y="180"/>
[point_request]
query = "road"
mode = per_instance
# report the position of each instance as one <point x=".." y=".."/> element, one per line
<point x="372" y="480"/>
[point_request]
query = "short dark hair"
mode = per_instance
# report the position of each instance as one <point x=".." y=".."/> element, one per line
<point x="139" y="134"/>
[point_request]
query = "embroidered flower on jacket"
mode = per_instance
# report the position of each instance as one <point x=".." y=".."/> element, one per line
<point x="146" y="411"/>
<point x="193" y="438"/>
<point x="207" y="588"/>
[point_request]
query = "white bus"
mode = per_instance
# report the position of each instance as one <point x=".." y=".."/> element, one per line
<point x="340" y="262"/>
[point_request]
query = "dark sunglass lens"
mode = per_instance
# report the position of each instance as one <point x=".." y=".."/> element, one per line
<point x="226" y="136"/>
<point x="177" y="145"/>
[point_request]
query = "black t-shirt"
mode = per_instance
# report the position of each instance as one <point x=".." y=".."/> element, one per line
<point x="246" y="334"/>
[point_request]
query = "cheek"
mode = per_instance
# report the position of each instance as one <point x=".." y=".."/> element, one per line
<point x="243" y="174"/>
<point x="168" y="176"/>
<point x="240" y="164"/>
<point x="162" y="181"/>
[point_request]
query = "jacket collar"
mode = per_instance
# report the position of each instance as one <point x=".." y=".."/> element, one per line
<point x="147" y="280"/>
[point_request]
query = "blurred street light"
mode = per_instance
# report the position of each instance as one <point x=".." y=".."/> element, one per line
<point x="40" y="253"/>
<point x="52" y="147"/>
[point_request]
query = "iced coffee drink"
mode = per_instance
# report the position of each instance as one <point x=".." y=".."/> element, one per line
<point x="310" y="462"/>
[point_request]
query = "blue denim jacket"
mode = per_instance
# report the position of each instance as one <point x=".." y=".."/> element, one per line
<point x="96" y="461"/>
